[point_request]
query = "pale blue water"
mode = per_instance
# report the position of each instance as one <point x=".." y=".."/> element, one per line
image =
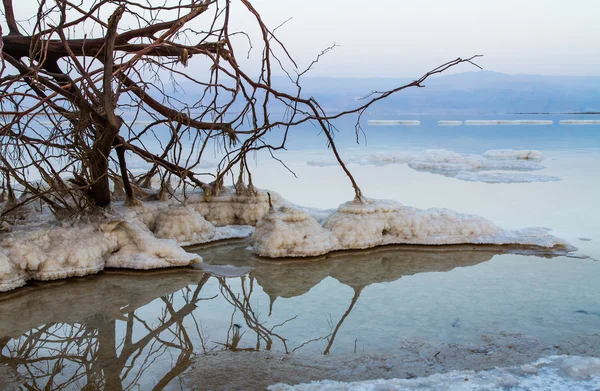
<point x="145" y="329"/>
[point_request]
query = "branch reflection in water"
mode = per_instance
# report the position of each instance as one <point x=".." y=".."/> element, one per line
<point x="125" y="330"/>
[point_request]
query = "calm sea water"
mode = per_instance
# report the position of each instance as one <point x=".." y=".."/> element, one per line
<point x="120" y="329"/>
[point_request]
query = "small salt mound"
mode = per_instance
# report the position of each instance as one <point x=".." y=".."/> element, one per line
<point x="504" y="177"/>
<point x="11" y="276"/>
<point x="359" y="225"/>
<point x="184" y="225"/>
<point x="436" y="226"/>
<point x="146" y="212"/>
<point x="140" y="249"/>
<point x="290" y="232"/>
<point x="511" y="154"/>
<point x="229" y="208"/>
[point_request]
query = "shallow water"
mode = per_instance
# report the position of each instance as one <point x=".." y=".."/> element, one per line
<point x="143" y="330"/>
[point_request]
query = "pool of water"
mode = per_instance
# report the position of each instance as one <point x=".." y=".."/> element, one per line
<point x="126" y="330"/>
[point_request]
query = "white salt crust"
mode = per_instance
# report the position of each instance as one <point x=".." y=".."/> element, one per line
<point x="145" y="236"/>
<point x="557" y="373"/>
<point x="140" y="249"/>
<point x="361" y="225"/>
<point x="504" y="177"/>
<point x="511" y="154"/>
<point x="229" y="208"/>
<point x="461" y="166"/>
<point x="289" y="232"/>
<point x="151" y="235"/>
<point x="183" y="224"/>
<point x="442" y="159"/>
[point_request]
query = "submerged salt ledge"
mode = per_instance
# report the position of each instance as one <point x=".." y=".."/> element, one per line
<point x="504" y="177"/>
<point x="557" y="373"/>
<point x="461" y="166"/>
<point x="361" y="225"/>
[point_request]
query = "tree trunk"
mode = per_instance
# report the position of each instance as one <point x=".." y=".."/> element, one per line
<point x="99" y="187"/>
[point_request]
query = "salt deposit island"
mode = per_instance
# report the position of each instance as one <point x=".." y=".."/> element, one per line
<point x="154" y="234"/>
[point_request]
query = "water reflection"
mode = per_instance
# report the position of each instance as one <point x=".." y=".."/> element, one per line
<point x="123" y="330"/>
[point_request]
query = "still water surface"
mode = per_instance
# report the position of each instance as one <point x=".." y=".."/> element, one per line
<point x="122" y="330"/>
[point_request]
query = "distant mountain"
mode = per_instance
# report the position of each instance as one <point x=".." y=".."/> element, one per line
<point x="481" y="92"/>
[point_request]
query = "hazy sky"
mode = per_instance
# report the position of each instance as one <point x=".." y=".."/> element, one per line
<point x="405" y="38"/>
<point x="397" y="38"/>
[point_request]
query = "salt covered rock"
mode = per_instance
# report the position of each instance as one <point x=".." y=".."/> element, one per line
<point x="369" y="223"/>
<point x="146" y="212"/>
<point x="59" y="252"/>
<point x="140" y="249"/>
<point x="436" y="226"/>
<point x="289" y="232"/>
<point x="230" y="208"/>
<point x="184" y="225"/>
<point x="11" y="276"/>
<point x="359" y="225"/>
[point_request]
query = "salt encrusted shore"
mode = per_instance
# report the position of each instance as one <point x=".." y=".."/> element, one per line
<point x="355" y="225"/>
<point x="152" y="235"/>
<point x="413" y="359"/>
<point x="148" y="236"/>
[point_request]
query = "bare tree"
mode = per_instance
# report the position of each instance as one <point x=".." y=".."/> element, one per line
<point x="76" y="76"/>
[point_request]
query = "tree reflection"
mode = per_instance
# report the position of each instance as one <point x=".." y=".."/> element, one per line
<point x="126" y="331"/>
<point x="103" y="354"/>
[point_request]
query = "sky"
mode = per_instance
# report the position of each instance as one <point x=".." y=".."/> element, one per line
<point x="405" y="38"/>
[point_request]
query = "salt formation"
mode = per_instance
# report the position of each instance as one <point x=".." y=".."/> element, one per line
<point x="376" y="159"/>
<point x="146" y="212"/>
<point x="185" y="225"/>
<point x="371" y="223"/>
<point x="508" y="122"/>
<point x="571" y="373"/>
<point x="140" y="249"/>
<point x="579" y="122"/>
<point x="393" y="122"/>
<point x="11" y="276"/>
<point x="460" y="166"/>
<point x="376" y="222"/>
<point x="448" y="161"/>
<point x="449" y="123"/>
<point x="511" y="154"/>
<point x="443" y="160"/>
<point x="289" y="232"/>
<point x="57" y="252"/>
<point x="230" y="208"/>
<point x="504" y="177"/>
<point x="360" y="225"/>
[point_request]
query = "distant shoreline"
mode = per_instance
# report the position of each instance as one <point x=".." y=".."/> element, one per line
<point x="567" y="113"/>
